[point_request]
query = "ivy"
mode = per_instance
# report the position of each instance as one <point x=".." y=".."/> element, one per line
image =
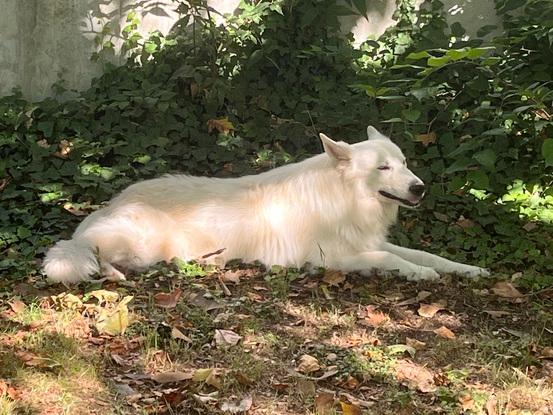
<point x="473" y="116"/>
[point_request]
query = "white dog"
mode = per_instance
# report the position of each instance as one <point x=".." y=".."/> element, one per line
<point x="332" y="210"/>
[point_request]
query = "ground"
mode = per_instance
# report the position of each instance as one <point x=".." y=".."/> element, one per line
<point x="247" y="340"/>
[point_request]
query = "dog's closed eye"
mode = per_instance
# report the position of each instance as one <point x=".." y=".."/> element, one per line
<point x="385" y="167"/>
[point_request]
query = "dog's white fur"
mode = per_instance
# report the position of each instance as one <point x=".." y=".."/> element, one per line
<point x="331" y="210"/>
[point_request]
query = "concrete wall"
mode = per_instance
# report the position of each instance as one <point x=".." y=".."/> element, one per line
<point x="41" y="40"/>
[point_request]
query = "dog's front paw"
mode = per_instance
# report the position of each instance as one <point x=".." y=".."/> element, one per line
<point x="474" y="272"/>
<point x="424" y="274"/>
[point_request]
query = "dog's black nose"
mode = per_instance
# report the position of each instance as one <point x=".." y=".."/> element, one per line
<point x="417" y="189"/>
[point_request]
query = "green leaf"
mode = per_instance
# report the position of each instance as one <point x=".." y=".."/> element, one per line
<point x="457" y="29"/>
<point x="457" y="54"/>
<point x="411" y="115"/>
<point x="475" y="53"/>
<point x="486" y="158"/>
<point x="361" y="6"/>
<point x="150" y="47"/>
<point x="479" y="179"/>
<point x="547" y="151"/>
<point x="47" y="127"/>
<point x="460" y="164"/>
<point x="418" y="55"/>
<point x="438" y="62"/>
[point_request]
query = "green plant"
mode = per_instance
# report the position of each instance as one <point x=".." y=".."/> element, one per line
<point x="474" y="118"/>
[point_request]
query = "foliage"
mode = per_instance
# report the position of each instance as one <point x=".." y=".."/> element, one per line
<point x="474" y="118"/>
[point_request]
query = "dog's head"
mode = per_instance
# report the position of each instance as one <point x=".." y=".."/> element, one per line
<point x="377" y="168"/>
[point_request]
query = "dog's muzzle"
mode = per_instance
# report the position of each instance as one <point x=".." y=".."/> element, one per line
<point x="417" y="190"/>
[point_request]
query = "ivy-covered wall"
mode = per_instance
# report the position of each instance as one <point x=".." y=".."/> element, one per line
<point x="43" y="40"/>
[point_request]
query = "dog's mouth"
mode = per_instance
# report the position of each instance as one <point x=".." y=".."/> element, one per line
<point x="405" y="202"/>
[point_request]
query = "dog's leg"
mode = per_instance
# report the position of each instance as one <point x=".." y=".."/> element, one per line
<point x="110" y="273"/>
<point x="436" y="262"/>
<point x="387" y="261"/>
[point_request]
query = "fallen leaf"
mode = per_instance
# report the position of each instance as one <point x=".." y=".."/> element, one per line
<point x="491" y="405"/>
<point x="350" y="409"/>
<point x="334" y="278"/>
<point x="114" y="321"/>
<point x="17" y="306"/>
<point x="420" y="296"/>
<point x="206" y="397"/>
<point x="505" y="289"/>
<point x="426" y="139"/>
<point x="104" y="296"/>
<point x="372" y="317"/>
<point x="530" y="226"/>
<point x="400" y="349"/>
<point x="308" y="364"/>
<point x="226" y="337"/>
<point x="168" y="377"/>
<point x="444" y="332"/>
<point x="168" y="300"/>
<point x="324" y="403"/>
<point x="546" y="353"/>
<point x="415" y="376"/>
<point x="441" y="217"/>
<point x="210" y="376"/>
<point x="201" y="299"/>
<point x="414" y="343"/>
<point x="231" y="276"/>
<point x="466" y="401"/>
<point x="351" y="383"/>
<point x="243" y="406"/>
<point x="465" y="223"/>
<point x="221" y="125"/>
<point x="124" y="390"/>
<point x="179" y="335"/>
<point x="429" y="310"/>
<point x="306" y="387"/>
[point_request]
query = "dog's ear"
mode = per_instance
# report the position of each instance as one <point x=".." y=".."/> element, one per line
<point x="339" y="152"/>
<point x="374" y="134"/>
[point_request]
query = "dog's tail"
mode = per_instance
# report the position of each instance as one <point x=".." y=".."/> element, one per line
<point x="71" y="261"/>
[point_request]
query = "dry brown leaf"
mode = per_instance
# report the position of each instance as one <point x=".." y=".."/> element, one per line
<point x="429" y="310"/>
<point x="226" y="337"/>
<point x="17" y="306"/>
<point x="324" y="403"/>
<point x="426" y="139"/>
<point x="414" y="343"/>
<point x="179" y="335"/>
<point x="308" y="364"/>
<point x="350" y="409"/>
<point x="231" y="276"/>
<point x="415" y="376"/>
<point x="444" y="332"/>
<point x="168" y="300"/>
<point x="372" y="317"/>
<point x="505" y="289"/>
<point x="243" y="406"/>
<point x="422" y="295"/>
<point x="211" y="376"/>
<point x="334" y="278"/>
<point x="168" y="377"/>
<point x="351" y="383"/>
<point x="221" y="125"/>
<point x="491" y="405"/>
<point x="465" y="223"/>
<point x="466" y="401"/>
<point x="546" y="353"/>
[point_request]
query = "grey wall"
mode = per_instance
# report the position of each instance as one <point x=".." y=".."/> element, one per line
<point x="41" y="40"/>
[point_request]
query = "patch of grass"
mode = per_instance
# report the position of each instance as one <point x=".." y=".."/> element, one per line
<point x="371" y="363"/>
<point x="7" y="405"/>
